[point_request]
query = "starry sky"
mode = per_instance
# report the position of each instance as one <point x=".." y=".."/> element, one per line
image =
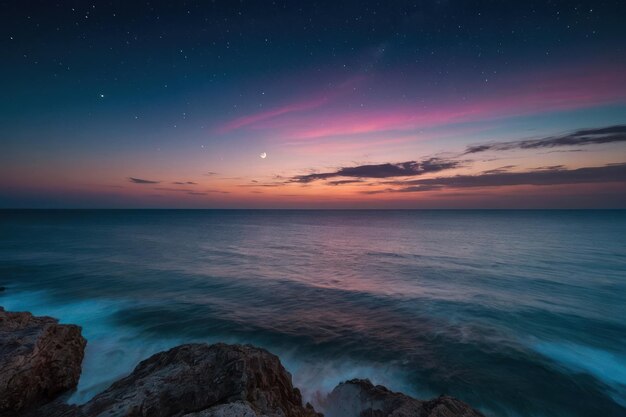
<point x="289" y="104"/>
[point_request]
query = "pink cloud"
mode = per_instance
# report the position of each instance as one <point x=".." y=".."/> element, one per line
<point x="324" y="117"/>
<point x="258" y="117"/>
<point x="544" y="95"/>
<point x="297" y="106"/>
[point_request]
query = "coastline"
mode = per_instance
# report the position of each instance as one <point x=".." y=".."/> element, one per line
<point x="41" y="362"/>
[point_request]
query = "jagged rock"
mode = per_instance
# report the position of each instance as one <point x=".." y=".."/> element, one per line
<point x="236" y="409"/>
<point x="208" y="380"/>
<point x="446" y="406"/>
<point x="39" y="359"/>
<point x="57" y="408"/>
<point x="360" y="398"/>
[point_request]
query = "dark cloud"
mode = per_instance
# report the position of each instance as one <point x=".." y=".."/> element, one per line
<point x="141" y="181"/>
<point x="418" y="188"/>
<point x="550" y="168"/>
<point x="566" y="151"/>
<point x="413" y="188"/>
<point x="388" y="170"/>
<point x="550" y="176"/>
<point x="342" y="182"/>
<point x="210" y="173"/>
<point x="581" y="137"/>
<point x="184" y="183"/>
<point x="195" y="193"/>
<point x="499" y="170"/>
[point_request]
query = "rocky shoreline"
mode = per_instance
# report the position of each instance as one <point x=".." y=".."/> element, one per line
<point x="41" y="359"/>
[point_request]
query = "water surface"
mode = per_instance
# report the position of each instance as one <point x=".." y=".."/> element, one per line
<point x="519" y="313"/>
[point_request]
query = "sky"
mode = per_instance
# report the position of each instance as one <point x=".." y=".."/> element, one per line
<point x="289" y="104"/>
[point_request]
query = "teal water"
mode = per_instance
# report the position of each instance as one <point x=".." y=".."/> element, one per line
<point x="520" y="313"/>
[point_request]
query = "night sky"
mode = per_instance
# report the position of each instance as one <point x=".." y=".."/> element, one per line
<point x="339" y="104"/>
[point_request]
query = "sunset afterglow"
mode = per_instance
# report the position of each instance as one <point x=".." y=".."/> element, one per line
<point x="179" y="120"/>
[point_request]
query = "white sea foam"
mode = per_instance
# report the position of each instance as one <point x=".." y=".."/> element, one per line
<point x="113" y="351"/>
<point x="607" y="367"/>
<point x="316" y="379"/>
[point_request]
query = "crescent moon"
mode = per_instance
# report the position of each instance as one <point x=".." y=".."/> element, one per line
<point x="263" y="155"/>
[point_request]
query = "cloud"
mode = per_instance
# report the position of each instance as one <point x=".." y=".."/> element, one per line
<point x="500" y="170"/>
<point x="548" y="176"/>
<point x="343" y="182"/>
<point x="550" y="168"/>
<point x="270" y="114"/>
<point x="184" y="183"/>
<point x="184" y="190"/>
<point x="142" y="181"/>
<point x="566" y="151"/>
<point x="564" y="89"/>
<point x="190" y="192"/>
<point x="387" y="170"/>
<point x="210" y="173"/>
<point x="257" y="184"/>
<point x="583" y="137"/>
<point x="413" y="188"/>
<point x="301" y="105"/>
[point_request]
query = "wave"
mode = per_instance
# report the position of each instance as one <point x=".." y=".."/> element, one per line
<point x="113" y="351"/>
<point x="603" y="365"/>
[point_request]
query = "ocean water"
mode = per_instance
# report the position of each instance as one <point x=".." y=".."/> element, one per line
<point x="519" y="313"/>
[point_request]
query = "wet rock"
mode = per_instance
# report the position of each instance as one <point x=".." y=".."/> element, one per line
<point x="236" y="409"/>
<point x="57" y="408"/>
<point x="446" y="406"/>
<point x="203" y="380"/>
<point x="39" y="359"/>
<point x="360" y="398"/>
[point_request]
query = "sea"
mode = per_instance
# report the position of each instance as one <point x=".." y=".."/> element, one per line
<point x="518" y="313"/>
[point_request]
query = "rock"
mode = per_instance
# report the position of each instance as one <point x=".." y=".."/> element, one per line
<point x="203" y="380"/>
<point x="39" y="359"/>
<point x="446" y="406"/>
<point x="236" y="409"/>
<point x="360" y="398"/>
<point x="57" y="408"/>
